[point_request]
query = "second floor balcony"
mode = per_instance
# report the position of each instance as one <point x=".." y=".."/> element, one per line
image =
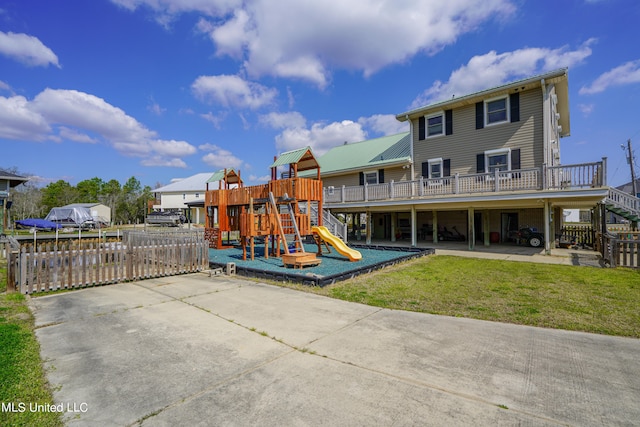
<point x="558" y="178"/>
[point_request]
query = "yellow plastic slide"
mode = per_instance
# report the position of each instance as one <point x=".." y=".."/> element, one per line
<point x="337" y="243"/>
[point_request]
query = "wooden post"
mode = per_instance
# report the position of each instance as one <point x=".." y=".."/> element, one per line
<point x="12" y="260"/>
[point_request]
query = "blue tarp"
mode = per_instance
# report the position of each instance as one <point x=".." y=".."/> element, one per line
<point x="40" y="224"/>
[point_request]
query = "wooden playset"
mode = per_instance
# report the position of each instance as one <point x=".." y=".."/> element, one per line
<point x="278" y="212"/>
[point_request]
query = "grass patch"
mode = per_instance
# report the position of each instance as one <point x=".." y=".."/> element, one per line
<point x="574" y="298"/>
<point x="22" y="378"/>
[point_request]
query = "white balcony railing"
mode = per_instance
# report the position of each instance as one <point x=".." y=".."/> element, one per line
<point x="567" y="177"/>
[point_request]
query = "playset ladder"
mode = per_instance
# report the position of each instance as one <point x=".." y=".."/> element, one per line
<point x="297" y="239"/>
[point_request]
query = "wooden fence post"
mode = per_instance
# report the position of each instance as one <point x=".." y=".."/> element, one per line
<point x="12" y="261"/>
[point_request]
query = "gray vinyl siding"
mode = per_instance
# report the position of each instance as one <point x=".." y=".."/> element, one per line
<point x="466" y="141"/>
<point x="396" y="174"/>
<point x="339" y="181"/>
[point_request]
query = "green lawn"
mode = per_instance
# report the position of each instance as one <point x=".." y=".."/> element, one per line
<point x="600" y="300"/>
<point x="22" y="378"/>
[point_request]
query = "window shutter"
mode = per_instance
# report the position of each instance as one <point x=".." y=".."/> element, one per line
<point x="380" y="176"/>
<point x="479" y="115"/>
<point x="515" y="159"/>
<point x="480" y="163"/>
<point x="448" y="120"/>
<point x="425" y="169"/>
<point x="361" y="178"/>
<point x="514" y="102"/>
<point x="446" y="167"/>
<point x="421" y="128"/>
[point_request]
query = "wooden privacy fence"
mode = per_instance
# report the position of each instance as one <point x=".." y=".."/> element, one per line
<point x="581" y="234"/>
<point x="70" y="265"/>
<point x="621" y="250"/>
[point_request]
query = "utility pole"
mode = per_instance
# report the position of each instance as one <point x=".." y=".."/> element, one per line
<point x="633" y="172"/>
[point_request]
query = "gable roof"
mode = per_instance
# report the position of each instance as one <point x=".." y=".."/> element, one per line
<point x="628" y="187"/>
<point x="370" y="154"/>
<point x="303" y="157"/>
<point x="558" y="77"/>
<point x="193" y="183"/>
<point x="14" y="180"/>
<point x="232" y="177"/>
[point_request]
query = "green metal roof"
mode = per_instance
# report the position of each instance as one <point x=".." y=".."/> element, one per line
<point x="371" y="153"/>
<point x="303" y="157"/>
<point x="219" y="175"/>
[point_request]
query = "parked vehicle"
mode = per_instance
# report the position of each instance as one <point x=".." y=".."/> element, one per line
<point x="530" y="236"/>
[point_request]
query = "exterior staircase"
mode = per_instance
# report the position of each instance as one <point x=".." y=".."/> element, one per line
<point x="335" y="226"/>
<point x="623" y="204"/>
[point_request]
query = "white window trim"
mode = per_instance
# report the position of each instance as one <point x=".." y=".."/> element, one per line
<point x="497" y="152"/>
<point x="437" y="181"/>
<point x="330" y="190"/>
<point x="371" y="171"/>
<point x="486" y="110"/>
<point x="426" y="125"/>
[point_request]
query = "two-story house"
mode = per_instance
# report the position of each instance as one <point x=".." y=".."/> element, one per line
<point x="476" y="167"/>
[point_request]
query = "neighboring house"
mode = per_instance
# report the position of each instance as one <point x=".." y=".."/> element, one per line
<point x="187" y="195"/>
<point x="8" y="181"/>
<point x="100" y="213"/>
<point x="628" y="187"/>
<point x="484" y="164"/>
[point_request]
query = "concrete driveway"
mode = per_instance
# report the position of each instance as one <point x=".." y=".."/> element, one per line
<point x="195" y="350"/>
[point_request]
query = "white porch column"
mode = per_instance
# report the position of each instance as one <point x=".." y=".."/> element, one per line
<point x="471" y="229"/>
<point x="547" y="219"/>
<point x="414" y="228"/>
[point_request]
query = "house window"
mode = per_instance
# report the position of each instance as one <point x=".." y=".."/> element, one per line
<point x="371" y="177"/>
<point x="496" y="110"/>
<point x="435" y="124"/>
<point x="435" y="168"/>
<point x="330" y="190"/>
<point x="197" y="195"/>
<point x="184" y="196"/>
<point x="497" y="160"/>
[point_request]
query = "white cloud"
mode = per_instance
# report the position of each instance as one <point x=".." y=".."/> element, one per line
<point x="26" y="49"/>
<point x="627" y="73"/>
<point x="320" y="137"/>
<point x="493" y="69"/>
<point x="86" y="111"/>
<point x="163" y="161"/>
<point x="172" y="148"/>
<point x="586" y="109"/>
<point x="385" y="124"/>
<point x="74" y="135"/>
<point x="166" y="10"/>
<point x="18" y="121"/>
<point x="216" y="120"/>
<point x="307" y="39"/>
<point x="219" y="157"/>
<point x="232" y="91"/>
<point x="79" y="114"/>
<point x="4" y="86"/>
<point x="283" y="120"/>
<point x="156" y="109"/>
<point x="259" y="179"/>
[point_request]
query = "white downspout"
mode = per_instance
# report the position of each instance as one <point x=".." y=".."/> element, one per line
<point x="411" y="148"/>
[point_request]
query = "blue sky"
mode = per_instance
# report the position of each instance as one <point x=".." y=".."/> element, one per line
<point x="163" y="89"/>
